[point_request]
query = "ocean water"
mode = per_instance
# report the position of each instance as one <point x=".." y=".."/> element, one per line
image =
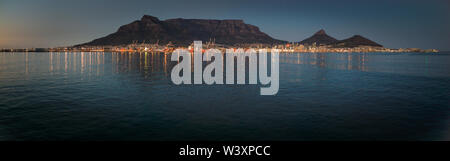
<point x="129" y="96"/>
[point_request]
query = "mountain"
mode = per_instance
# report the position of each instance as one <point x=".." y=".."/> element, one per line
<point x="356" y="41"/>
<point x="182" y="32"/>
<point x="319" y="37"/>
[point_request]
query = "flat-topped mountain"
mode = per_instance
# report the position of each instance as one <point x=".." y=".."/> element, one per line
<point x="356" y="41"/>
<point x="320" y="37"/>
<point x="184" y="31"/>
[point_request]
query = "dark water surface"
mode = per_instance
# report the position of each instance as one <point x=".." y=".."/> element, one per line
<point x="129" y="96"/>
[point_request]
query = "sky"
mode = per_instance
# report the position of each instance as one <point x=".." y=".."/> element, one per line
<point x="392" y="23"/>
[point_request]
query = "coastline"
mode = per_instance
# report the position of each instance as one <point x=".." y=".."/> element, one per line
<point x="283" y="49"/>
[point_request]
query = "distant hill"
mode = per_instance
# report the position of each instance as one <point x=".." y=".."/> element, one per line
<point x="320" y="37"/>
<point x="184" y="31"/>
<point x="356" y="41"/>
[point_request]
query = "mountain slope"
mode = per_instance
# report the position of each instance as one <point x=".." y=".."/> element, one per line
<point x="356" y="41"/>
<point x="182" y="32"/>
<point x="319" y="37"/>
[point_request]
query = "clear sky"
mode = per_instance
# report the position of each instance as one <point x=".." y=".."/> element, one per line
<point x="392" y="23"/>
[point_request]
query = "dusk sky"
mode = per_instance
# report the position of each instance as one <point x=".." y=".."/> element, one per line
<point x="394" y="24"/>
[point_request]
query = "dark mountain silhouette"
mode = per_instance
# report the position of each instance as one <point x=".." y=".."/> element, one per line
<point x="184" y="31"/>
<point x="319" y="37"/>
<point x="356" y="41"/>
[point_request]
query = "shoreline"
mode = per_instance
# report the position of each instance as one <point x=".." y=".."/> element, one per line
<point x="281" y="50"/>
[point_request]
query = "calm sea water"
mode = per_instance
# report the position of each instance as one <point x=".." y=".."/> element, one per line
<point x="129" y="96"/>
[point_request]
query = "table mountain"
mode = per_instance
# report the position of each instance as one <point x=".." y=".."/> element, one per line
<point x="182" y="32"/>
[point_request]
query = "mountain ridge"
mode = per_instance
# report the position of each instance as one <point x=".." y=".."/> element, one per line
<point x="182" y="32"/>
<point x="230" y="32"/>
<point x="355" y="41"/>
<point x="322" y="38"/>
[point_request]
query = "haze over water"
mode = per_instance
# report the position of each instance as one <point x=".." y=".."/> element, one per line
<point x="129" y="96"/>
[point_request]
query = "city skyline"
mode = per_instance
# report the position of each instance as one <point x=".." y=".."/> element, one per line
<point x="399" y="24"/>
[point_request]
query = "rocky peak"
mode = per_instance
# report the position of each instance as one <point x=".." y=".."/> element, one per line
<point x="320" y="32"/>
<point x="320" y="37"/>
<point x="148" y="18"/>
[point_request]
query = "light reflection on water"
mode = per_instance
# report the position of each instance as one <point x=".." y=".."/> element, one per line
<point x="129" y="96"/>
<point x="404" y="63"/>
